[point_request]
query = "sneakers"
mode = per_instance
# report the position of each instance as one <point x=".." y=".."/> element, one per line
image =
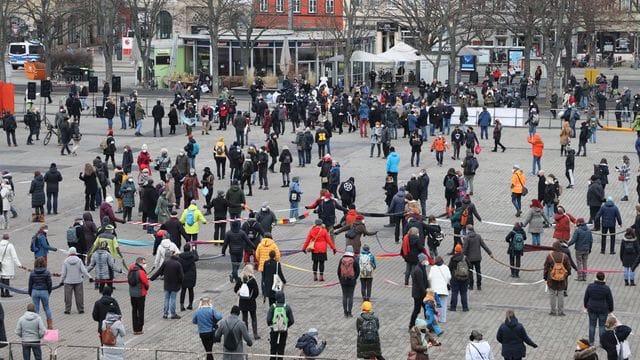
<point x="175" y="317"/>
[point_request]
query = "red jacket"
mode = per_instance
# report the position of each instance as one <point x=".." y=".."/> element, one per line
<point x="107" y="210"/>
<point x="562" y="229"/>
<point x="144" y="280"/>
<point x="144" y="159"/>
<point x="322" y="238"/>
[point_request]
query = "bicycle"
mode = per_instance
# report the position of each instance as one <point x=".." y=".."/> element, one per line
<point x="51" y="130"/>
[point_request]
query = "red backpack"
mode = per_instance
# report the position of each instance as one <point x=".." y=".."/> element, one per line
<point x="346" y="267"/>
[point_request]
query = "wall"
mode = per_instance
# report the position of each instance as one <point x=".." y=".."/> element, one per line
<point x="302" y="20"/>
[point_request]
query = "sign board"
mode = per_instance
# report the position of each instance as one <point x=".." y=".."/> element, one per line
<point x="516" y="59"/>
<point x="468" y="63"/>
<point x="387" y="26"/>
<point x="127" y="45"/>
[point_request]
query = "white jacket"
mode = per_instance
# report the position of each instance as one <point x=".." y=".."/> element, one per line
<point x="5" y="190"/>
<point x="9" y="260"/>
<point x="165" y="248"/>
<point x="439" y="277"/>
<point x="482" y="347"/>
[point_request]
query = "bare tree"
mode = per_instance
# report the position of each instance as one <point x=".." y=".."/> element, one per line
<point x="8" y="9"/>
<point x="107" y="22"/>
<point x="144" y="18"/>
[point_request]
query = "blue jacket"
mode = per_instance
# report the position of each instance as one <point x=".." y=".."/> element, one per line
<point x="484" y="119"/>
<point x="598" y="298"/>
<point x="363" y="112"/>
<point x="295" y="187"/>
<point x="609" y="214"/>
<point x="393" y="162"/>
<point x="397" y="203"/>
<point x="40" y="279"/>
<point x="638" y="145"/>
<point x="42" y="246"/>
<point x="582" y="238"/>
<point x="203" y="317"/>
<point x="412" y="120"/>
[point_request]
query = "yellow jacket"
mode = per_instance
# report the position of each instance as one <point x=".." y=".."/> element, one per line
<point x="197" y="217"/>
<point x="262" y="252"/>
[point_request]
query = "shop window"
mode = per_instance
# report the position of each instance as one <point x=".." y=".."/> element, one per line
<point x="313" y="4"/>
<point x="296" y="6"/>
<point x="264" y="5"/>
<point x="164" y="27"/>
<point x="329" y="6"/>
<point x="279" y="5"/>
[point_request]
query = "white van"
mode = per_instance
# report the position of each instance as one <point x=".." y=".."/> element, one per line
<point x="22" y="52"/>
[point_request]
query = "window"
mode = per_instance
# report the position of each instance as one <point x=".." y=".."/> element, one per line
<point x="264" y="5"/>
<point x="279" y="5"/>
<point x="73" y="34"/>
<point x="313" y="4"/>
<point x="329" y="6"/>
<point x="296" y="6"/>
<point x="164" y="26"/>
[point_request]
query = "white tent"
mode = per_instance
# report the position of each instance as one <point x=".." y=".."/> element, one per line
<point x="401" y="52"/>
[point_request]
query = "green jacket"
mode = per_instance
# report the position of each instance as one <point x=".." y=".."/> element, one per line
<point x="235" y="197"/>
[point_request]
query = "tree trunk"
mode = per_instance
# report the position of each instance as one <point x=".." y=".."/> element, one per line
<point x="528" y="44"/>
<point x="436" y="66"/>
<point x="567" y="63"/>
<point x="348" y="51"/>
<point x="453" y="52"/>
<point x="245" y="50"/>
<point x="108" y="58"/>
<point x="213" y="35"/>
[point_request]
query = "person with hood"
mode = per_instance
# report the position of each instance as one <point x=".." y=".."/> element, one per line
<point x="513" y="338"/>
<point x="280" y="319"/>
<point x="206" y="318"/>
<point x="583" y="240"/>
<point x="536" y="220"/>
<point x="421" y="340"/>
<point x="598" y="301"/>
<point x="419" y="285"/>
<point x="236" y="199"/>
<point x="516" y="239"/>
<point x="393" y="164"/>
<point x="263" y="249"/>
<point x="138" y="288"/>
<point x="40" y="287"/>
<point x="52" y="178"/>
<point x="316" y="242"/>
<point x="190" y="186"/>
<point x="586" y="351"/>
<point x="473" y="242"/>
<point x="105" y="265"/>
<point x="9" y="262"/>
<point x="40" y="243"/>
<point x="171" y="268"/>
<point x="113" y="322"/>
<point x="164" y="250"/>
<point x="207" y="187"/>
<point x="192" y="149"/>
<point x="150" y="197"/>
<point x="325" y="169"/>
<point x="537" y="147"/>
<point x="236" y="240"/>
<point x="30" y="328"/>
<point x="128" y="191"/>
<point x="629" y="252"/>
<point x="295" y="193"/>
<point x="595" y="198"/>
<point x="266" y="217"/>
<point x="562" y="226"/>
<point x="615" y="339"/>
<point x="334" y="178"/>
<point x="127" y="159"/>
<point x="368" y="339"/>
<point x="72" y="277"/>
<point x="106" y="304"/>
<point x="162" y="210"/>
<point x="163" y="163"/>
<point x="354" y="233"/>
<point x="191" y="219"/>
<point x="285" y="165"/>
<point x="36" y="190"/>
<point x="144" y="158"/>
<point x="220" y="154"/>
<point x="557" y="268"/>
<point x="106" y="210"/>
<point x="610" y="215"/>
<point x="188" y="260"/>
<point x="308" y="343"/>
<point x="347" y="192"/>
<point x="232" y="327"/>
<point x="220" y="206"/>
<point x="10" y="126"/>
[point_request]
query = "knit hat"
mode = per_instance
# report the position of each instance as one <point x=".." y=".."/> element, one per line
<point x="108" y="199"/>
<point x="421" y="324"/>
<point x="475" y="335"/>
<point x="349" y="251"/>
<point x="422" y="257"/>
<point x="312" y="332"/>
<point x="580" y="221"/>
<point x="72" y="251"/>
<point x="318" y="222"/>
<point x="457" y="249"/>
<point x="583" y="344"/>
<point x="367" y="306"/>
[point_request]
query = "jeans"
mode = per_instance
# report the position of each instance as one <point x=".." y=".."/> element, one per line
<point x="592" y="138"/>
<point x="549" y="211"/>
<point x="139" y="126"/>
<point x="535" y="161"/>
<point x="300" y="157"/>
<point x="446" y="122"/>
<point x="365" y="288"/>
<point x="110" y="123"/>
<point x="432" y="130"/>
<point x="347" y="298"/>
<point x="516" y="200"/>
<point x="424" y="134"/>
<point x="599" y="319"/>
<point x="535" y="239"/>
<point x="293" y="206"/>
<point x="629" y="274"/>
<point x="458" y="287"/>
<point x="484" y="132"/>
<point x="207" y="341"/>
<point x="415" y="155"/>
<point x="581" y="263"/>
<point x="603" y="241"/>
<point x="192" y="162"/>
<point x="27" y="349"/>
<point x="556" y="300"/>
<point x="236" y="260"/>
<point x="532" y="130"/>
<point x="240" y="138"/>
<point x="423" y="206"/>
<point x="475" y="265"/>
<point x="307" y="156"/>
<point x="278" y="343"/>
<point x="52" y="196"/>
<point x="170" y="303"/>
<point x="373" y="145"/>
<point x="442" y="311"/>
<point x="469" y="180"/>
<point x="38" y="296"/>
<point x="137" y="313"/>
<point x="584" y="102"/>
<point x="123" y="121"/>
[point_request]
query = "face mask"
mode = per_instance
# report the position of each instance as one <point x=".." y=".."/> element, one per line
<point x="45" y="231"/>
<point x="144" y="266"/>
<point x="144" y="151"/>
<point x="192" y="172"/>
<point x="130" y="180"/>
<point x="264" y="209"/>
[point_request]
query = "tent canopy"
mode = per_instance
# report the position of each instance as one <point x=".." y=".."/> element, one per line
<point x="358" y="56"/>
<point x="401" y="52"/>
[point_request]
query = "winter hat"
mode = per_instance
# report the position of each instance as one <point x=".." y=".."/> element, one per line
<point x="72" y="251"/>
<point x="318" y="222"/>
<point x="348" y="250"/>
<point x="367" y="306"/>
<point x="422" y="257"/>
<point x="457" y="249"/>
<point x="535" y="203"/>
<point x="583" y="344"/>
<point x="312" y="332"/>
<point x="161" y="233"/>
<point x="421" y="324"/>
<point x="580" y="221"/>
<point x="365" y="248"/>
<point x="108" y="199"/>
<point x="609" y="200"/>
<point x="5" y="236"/>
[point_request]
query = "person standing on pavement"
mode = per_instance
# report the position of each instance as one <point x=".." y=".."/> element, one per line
<point x="139" y="114"/>
<point x="484" y="121"/>
<point x="9" y="125"/>
<point x="368" y="339"/>
<point x="191" y="219"/>
<point x="173" y="277"/>
<point x="236" y="240"/>
<point x="583" y="240"/>
<point x="188" y="260"/>
<point x="471" y="249"/>
<point x="595" y="198"/>
<point x="536" y="220"/>
<point x="459" y="278"/>
<point x="106" y="304"/>
<point x="72" y="277"/>
<point x="316" y="242"/>
<point x="513" y="336"/>
<point x="537" y="147"/>
<point x="30" y="328"/>
<point x="419" y="285"/>
<point x="393" y="164"/>
<point x="615" y="338"/>
<point x="158" y="113"/>
<point x="52" y="178"/>
<point x="518" y="182"/>
<point x="516" y="240"/>
<point x="557" y="268"/>
<point x="609" y="214"/>
<point x="470" y="166"/>
<point x="246" y="287"/>
<point x="40" y="287"/>
<point x="220" y="206"/>
<point x="232" y="326"/>
<point x="477" y="348"/>
<point x="348" y="272"/>
<point x="598" y="301"/>
<point x="629" y="252"/>
<point x="439" y="280"/>
<point x="9" y="262"/>
<point x="138" y="288"/>
<point x="206" y="318"/>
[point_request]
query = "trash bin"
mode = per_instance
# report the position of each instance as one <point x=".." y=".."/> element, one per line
<point x="35" y="71"/>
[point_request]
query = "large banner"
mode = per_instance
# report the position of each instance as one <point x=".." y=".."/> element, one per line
<point x="127" y="46"/>
<point x="507" y="116"/>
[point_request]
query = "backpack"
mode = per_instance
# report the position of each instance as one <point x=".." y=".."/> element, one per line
<point x="518" y="241"/>
<point x="279" y="321"/>
<point x="230" y="341"/>
<point x="351" y="233"/>
<point x="219" y="150"/>
<point x="451" y="185"/>
<point x="34" y="243"/>
<point x="558" y="271"/>
<point x="133" y="278"/>
<point x="628" y="248"/>
<point x="294" y="196"/>
<point x="107" y="337"/>
<point x="196" y="149"/>
<point x="72" y="235"/>
<point x="191" y="217"/>
<point x="369" y="330"/>
<point x="464" y="217"/>
<point x="104" y="145"/>
<point x="244" y="292"/>
<point x="346" y="268"/>
<point x="366" y="267"/>
<point x="461" y="273"/>
<point x="438" y="238"/>
<point x="251" y="231"/>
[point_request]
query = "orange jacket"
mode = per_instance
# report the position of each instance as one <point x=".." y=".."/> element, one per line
<point x="439" y="144"/>
<point x="518" y="181"/>
<point x="537" y="145"/>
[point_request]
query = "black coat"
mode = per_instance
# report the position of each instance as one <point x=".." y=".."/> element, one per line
<point x="188" y="262"/>
<point x="598" y="298"/>
<point x="236" y="241"/>
<point x="270" y="268"/>
<point x="90" y="183"/>
<point x="419" y="282"/>
<point x="175" y="230"/>
<point x="52" y="178"/>
<point x="149" y="199"/>
<point x="416" y="246"/>
<point x="36" y="190"/>
<point x="220" y="206"/>
<point x="104" y="305"/>
<point x="513" y="336"/>
<point x="248" y="304"/>
<point x="629" y="252"/>
<point x="608" y="340"/>
<point x="173" y="275"/>
<point x="595" y="194"/>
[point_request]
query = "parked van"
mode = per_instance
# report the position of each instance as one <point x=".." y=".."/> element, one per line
<point x="21" y="52"/>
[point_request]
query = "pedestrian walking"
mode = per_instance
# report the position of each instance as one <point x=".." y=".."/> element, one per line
<point x="206" y="318"/>
<point x="279" y="319"/>
<point x="138" y="288"/>
<point x="368" y="339"/>
<point x="348" y="273"/>
<point x="234" y="332"/>
<point x="598" y="301"/>
<point x="246" y="288"/>
<point x="236" y="240"/>
<point x="513" y="338"/>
